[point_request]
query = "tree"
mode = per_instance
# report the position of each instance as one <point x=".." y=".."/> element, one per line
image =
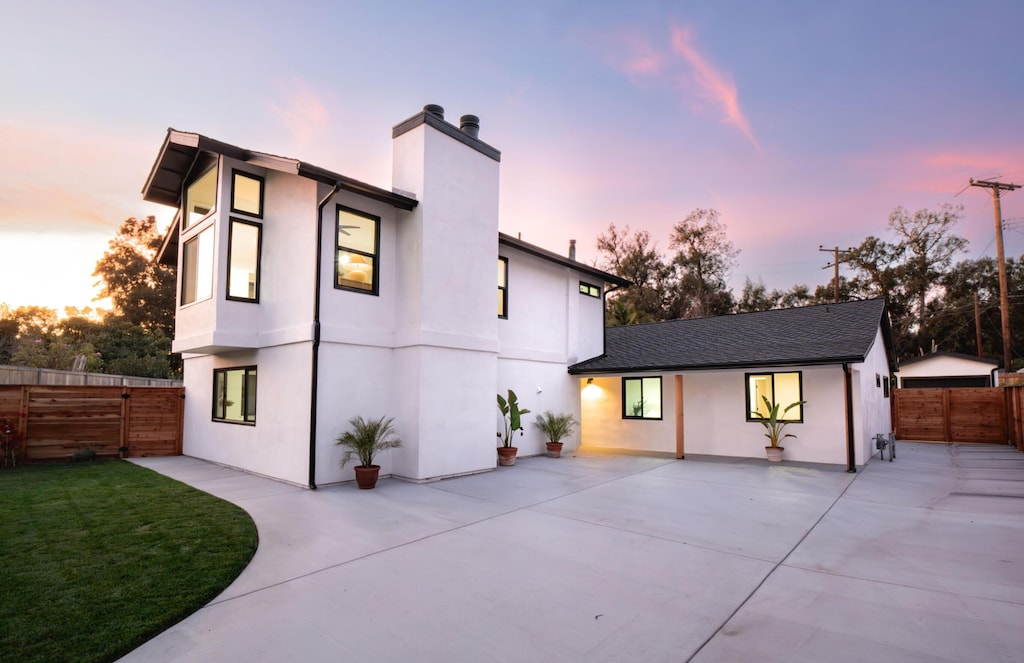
<point x="928" y="244"/>
<point x="634" y="257"/>
<point x="704" y="258"/>
<point x="756" y="297"/>
<point x="141" y="289"/>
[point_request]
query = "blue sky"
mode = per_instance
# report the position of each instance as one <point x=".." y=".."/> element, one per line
<point x="803" y="123"/>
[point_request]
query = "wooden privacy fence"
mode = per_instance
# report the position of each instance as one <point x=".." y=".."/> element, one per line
<point x="55" y="421"/>
<point x="989" y="415"/>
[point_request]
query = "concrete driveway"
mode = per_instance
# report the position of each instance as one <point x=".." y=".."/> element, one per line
<point x="599" y="557"/>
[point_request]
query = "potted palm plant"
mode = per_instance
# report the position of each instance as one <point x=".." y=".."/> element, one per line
<point x="775" y="425"/>
<point x="512" y="415"/>
<point x="365" y="440"/>
<point x="555" y="427"/>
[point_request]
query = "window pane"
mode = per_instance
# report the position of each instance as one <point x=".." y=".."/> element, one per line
<point x="760" y="385"/>
<point x="787" y="390"/>
<point x="634" y="398"/>
<point x="218" y="395"/>
<point x="357" y="232"/>
<point x="201" y="197"/>
<point x="502" y="273"/>
<point x="355" y="270"/>
<point x="246" y="194"/>
<point x="652" y="398"/>
<point x="197" y="268"/>
<point x="501" y="302"/>
<point x="244" y="260"/>
<point x="250" y="395"/>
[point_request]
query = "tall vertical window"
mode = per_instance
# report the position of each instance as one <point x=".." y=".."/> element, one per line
<point x="780" y="388"/>
<point x="197" y="268"/>
<point x="244" y="260"/>
<point x="246" y="193"/>
<point x="234" y="395"/>
<point x="201" y="197"/>
<point x="502" y="287"/>
<point x="641" y="398"/>
<point x="358" y="239"/>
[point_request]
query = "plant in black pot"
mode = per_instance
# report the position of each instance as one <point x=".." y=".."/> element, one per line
<point x="556" y="427"/>
<point x="365" y="440"/>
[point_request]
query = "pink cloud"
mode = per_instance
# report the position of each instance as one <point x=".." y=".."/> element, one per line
<point x="630" y="54"/>
<point x="301" y="110"/>
<point x="711" y="83"/>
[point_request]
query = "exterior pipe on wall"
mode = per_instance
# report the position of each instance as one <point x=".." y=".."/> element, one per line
<point x="314" y="368"/>
<point x="851" y="458"/>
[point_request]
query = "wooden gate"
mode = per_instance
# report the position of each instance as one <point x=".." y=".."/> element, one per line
<point x="962" y="415"/>
<point x="55" y="421"/>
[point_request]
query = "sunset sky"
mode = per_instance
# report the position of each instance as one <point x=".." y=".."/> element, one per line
<point x="803" y="123"/>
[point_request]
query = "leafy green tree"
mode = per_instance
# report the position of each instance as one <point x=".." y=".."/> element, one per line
<point x="704" y="257"/>
<point x="756" y="297"/>
<point x="635" y="257"/>
<point x="141" y="289"/>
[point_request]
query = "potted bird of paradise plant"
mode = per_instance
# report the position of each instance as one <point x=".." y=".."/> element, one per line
<point x="512" y="416"/>
<point x="775" y="425"/>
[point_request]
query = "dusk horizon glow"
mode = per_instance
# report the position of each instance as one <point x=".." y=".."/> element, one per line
<point x="803" y="125"/>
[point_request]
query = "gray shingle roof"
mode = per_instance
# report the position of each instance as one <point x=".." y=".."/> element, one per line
<point x="824" y="334"/>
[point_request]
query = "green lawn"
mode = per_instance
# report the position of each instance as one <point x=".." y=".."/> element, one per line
<point x="96" y="558"/>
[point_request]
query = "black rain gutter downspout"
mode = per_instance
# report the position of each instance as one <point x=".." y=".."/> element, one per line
<point x="314" y="369"/>
<point x="851" y="458"/>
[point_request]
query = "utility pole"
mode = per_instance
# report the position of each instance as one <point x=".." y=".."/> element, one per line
<point x="977" y="323"/>
<point x="1004" y="298"/>
<point x="835" y="263"/>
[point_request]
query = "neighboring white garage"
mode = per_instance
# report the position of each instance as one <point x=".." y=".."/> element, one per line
<point x="946" y="369"/>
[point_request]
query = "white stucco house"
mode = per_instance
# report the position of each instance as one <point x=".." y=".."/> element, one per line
<point x="690" y="386"/>
<point x="306" y="297"/>
<point x="947" y="369"/>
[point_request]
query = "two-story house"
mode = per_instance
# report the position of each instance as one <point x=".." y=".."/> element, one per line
<point x="306" y="297"/>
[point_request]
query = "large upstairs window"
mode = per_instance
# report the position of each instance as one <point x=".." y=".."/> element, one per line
<point x="244" y="260"/>
<point x="246" y="193"/>
<point x="197" y="268"/>
<point x="358" y="243"/>
<point x="201" y="197"/>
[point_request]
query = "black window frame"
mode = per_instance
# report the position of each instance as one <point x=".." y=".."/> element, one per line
<point x="375" y="256"/>
<point x="503" y="289"/>
<point x="246" y="370"/>
<point x="263" y="186"/>
<point x="746" y="392"/>
<point x="588" y="289"/>
<point x="661" y="400"/>
<point x="186" y="222"/>
<point x="184" y="280"/>
<point x="259" y="259"/>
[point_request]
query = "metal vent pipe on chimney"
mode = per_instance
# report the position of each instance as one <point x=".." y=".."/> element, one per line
<point x="434" y="109"/>
<point x="470" y="125"/>
<point x="572" y="249"/>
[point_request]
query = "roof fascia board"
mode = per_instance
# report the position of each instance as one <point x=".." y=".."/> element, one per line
<point x="831" y="361"/>
<point x="537" y="251"/>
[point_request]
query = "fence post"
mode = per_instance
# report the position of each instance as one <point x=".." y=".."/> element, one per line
<point x="23" y="420"/>
<point x="125" y="414"/>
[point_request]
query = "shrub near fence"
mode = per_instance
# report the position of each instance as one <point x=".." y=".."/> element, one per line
<point x="56" y="421"/>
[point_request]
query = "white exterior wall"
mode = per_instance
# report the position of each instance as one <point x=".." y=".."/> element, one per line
<point x="603" y="425"/>
<point x="276" y="445"/>
<point x="872" y="409"/>
<point x="714" y="416"/>
<point x="941" y="366"/>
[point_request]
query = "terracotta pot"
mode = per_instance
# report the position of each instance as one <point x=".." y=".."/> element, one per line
<point x="507" y="455"/>
<point x="366" y="477"/>
<point x="554" y="449"/>
<point x="774" y="454"/>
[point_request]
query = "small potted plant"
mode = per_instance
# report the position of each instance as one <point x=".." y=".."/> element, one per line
<point x="512" y="415"/>
<point x="555" y="427"/>
<point x="364" y="441"/>
<point x="774" y="425"/>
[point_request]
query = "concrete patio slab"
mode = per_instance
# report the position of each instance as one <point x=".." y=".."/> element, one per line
<point x="606" y="557"/>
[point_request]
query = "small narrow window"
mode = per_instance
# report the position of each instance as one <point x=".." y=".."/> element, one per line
<point x="589" y="290"/>
<point x="201" y="197"/>
<point x="246" y="193"/>
<point x="502" y="287"/>
<point x="197" y="268"/>
<point x="355" y="264"/>
<point x="244" y="260"/>
<point x="782" y="388"/>
<point x="234" y="395"/>
<point x="641" y="398"/>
